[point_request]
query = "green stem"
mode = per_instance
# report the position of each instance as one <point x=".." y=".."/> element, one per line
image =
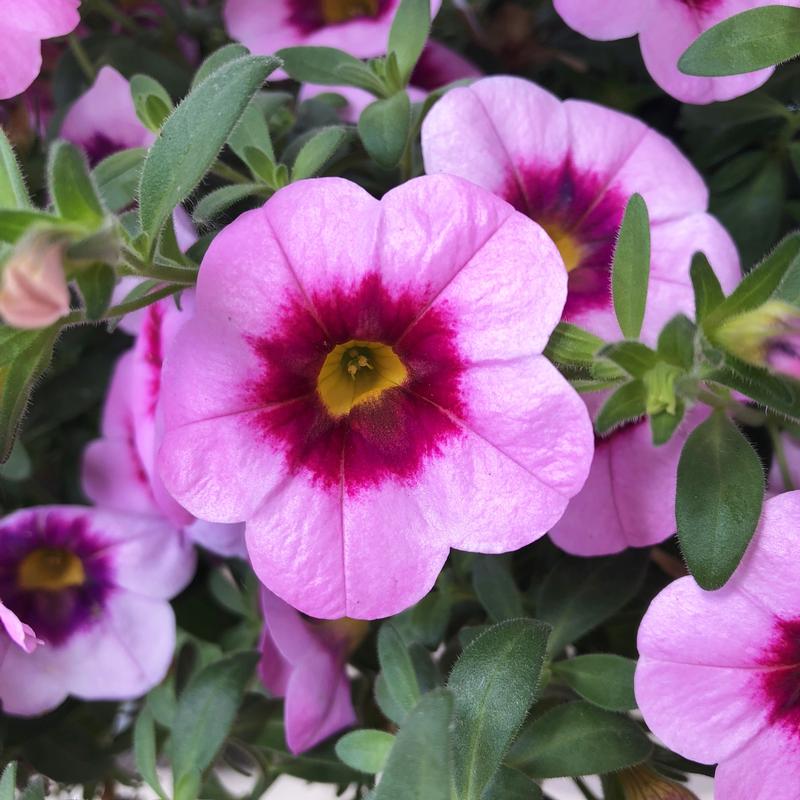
<point x="584" y="789"/>
<point x="79" y="317"/>
<point x="160" y="272"/>
<point x="780" y="457"/>
<point x="108" y="10"/>
<point x="222" y="170"/>
<point x="82" y="57"/>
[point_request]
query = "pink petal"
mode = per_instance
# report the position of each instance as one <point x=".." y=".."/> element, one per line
<point x="595" y="20"/>
<point x="21" y="61"/>
<point x="19" y="633"/>
<point x="224" y="540"/>
<point x="45" y="18"/>
<point x="30" y="683"/>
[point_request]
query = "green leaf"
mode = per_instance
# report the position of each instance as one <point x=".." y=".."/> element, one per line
<point x="96" y="284"/>
<point x="329" y="67"/>
<point x="630" y="271"/>
<point x="72" y="189"/>
<point x="365" y="750"/>
<point x="206" y="710"/>
<point x="193" y="136"/>
<point x="494" y="683"/>
<point x="397" y="668"/>
<point x="409" y="32"/>
<point x="676" y="342"/>
<point x="117" y="177"/>
<point x="634" y="357"/>
<point x="418" y="767"/>
<point x="759" y="284"/>
<point x="719" y="498"/>
<point x="34" y="790"/>
<point x="384" y="127"/>
<point x="578" y="739"/>
<point x="629" y="402"/>
<point x="510" y="784"/>
<point x="215" y="203"/>
<point x="496" y="589"/>
<point x="317" y="151"/>
<point x="581" y="593"/>
<point x="771" y="391"/>
<point x="391" y="709"/>
<point x="746" y="42"/>
<point x="663" y="425"/>
<point x="251" y="140"/>
<point x="13" y="192"/>
<point x="604" y="680"/>
<point x="708" y="293"/>
<point x="16" y="222"/>
<point x="220" y="57"/>
<point x="24" y="356"/>
<point x="144" y="748"/>
<point x="572" y="346"/>
<point x="8" y="783"/>
<point x="151" y="100"/>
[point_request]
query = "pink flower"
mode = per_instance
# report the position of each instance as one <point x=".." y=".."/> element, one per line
<point x="305" y="663"/>
<point x="438" y="66"/>
<point x="16" y="631"/>
<point x="666" y="28"/>
<point x="103" y="120"/>
<point x="362" y="382"/>
<point x="360" y="27"/>
<point x="572" y="167"/>
<point x="791" y="449"/>
<point x="119" y="468"/>
<point x="94" y="585"/>
<point x="718" y="671"/>
<point x="23" y="26"/>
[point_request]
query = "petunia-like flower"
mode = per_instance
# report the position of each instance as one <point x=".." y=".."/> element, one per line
<point x="787" y="477"/>
<point x="438" y="65"/>
<point x="362" y="382"/>
<point x="103" y="120"/>
<point x="666" y="28"/>
<point x="360" y="27"/>
<point x="304" y="662"/>
<point x="572" y="167"/>
<point x="23" y="26"/>
<point x="94" y="585"/>
<point x="718" y="672"/>
<point x="119" y="468"/>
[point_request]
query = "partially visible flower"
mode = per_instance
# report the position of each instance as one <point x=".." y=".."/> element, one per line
<point x="718" y="672"/>
<point x="438" y="66"/>
<point x="23" y="26"/>
<point x="363" y="383"/>
<point x="572" y="166"/>
<point x="118" y="469"/>
<point x="767" y="336"/>
<point x="360" y="27"/>
<point x="303" y="661"/>
<point x="94" y="585"/>
<point x="33" y="287"/>
<point x="103" y="120"/>
<point x="644" y="783"/>
<point x="666" y="28"/>
<point x="786" y="477"/>
<point x="18" y="632"/>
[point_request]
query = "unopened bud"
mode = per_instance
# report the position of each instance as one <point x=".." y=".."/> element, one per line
<point x="347" y="633"/>
<point x="33" y="288"/>
<point x="767" y="336"/>
<point x="644" y="783"/>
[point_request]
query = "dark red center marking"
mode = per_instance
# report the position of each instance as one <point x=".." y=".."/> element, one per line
<point x="781" y="683"/>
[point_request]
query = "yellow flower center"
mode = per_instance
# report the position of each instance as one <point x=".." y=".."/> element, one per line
<point x="334" y="11"/>
<point x="358" y="372"/>
<point x="50" y="569"/>
<point x="569" y="247"/>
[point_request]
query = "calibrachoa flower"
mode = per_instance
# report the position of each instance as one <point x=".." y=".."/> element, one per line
<point x="438" y="66"/>
<point x="362" y="382"/>
<point x="360" y="27"/>
<point x="103" y="120"/>
<point x="666" y="28"/>
<point x="94" y="586"/>
<point x="718" y="673"/>
<point x="23" y="26"/>
<point x="572" y="167"/>
<point x="119" y="469"/>
<point x="304" y="662"/>
<point x="791" y="450"/>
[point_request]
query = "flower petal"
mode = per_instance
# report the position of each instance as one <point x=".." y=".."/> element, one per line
<point x="595" y="20"/>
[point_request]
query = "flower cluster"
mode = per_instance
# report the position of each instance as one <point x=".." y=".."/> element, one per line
<point x="408" y="373"/>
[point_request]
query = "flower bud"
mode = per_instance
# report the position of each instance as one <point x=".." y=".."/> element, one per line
<point x="33" y="288"/>
<point x="767" y="336"/>
<point x="644" y="783"/>
<point x="345" y="632"/>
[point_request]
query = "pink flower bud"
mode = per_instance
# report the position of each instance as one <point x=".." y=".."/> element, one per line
<point x="33" y="289"/>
